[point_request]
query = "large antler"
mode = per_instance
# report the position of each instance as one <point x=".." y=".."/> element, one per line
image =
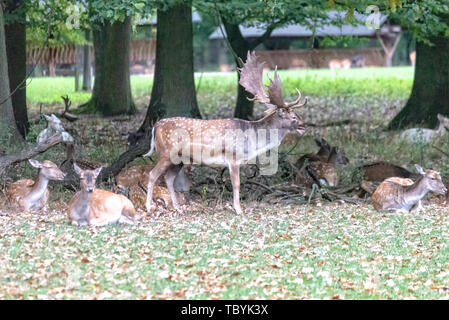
<point x="251" y="79"/>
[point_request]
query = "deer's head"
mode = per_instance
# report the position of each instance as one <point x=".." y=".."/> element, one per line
<point x="432" y="180"/>
<point x="54" y="123"/>
<point x="88" y="178"/>
<point x="337" y="156"/>
<point x="48" y="169"/>
<point x="282" y="112"/>
<point x="443" y="121"/>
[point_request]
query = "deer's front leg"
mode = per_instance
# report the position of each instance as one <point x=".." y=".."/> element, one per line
<point x="234" y="171"/>
<point x="154" y="174"/>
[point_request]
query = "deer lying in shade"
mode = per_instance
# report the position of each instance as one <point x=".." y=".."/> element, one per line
<point x="96" y="207"/>
<point x="404" y="195"/>
<point x="224" y="143"/>
<point x="32" y="195"/>
<point x="320" y="167"/>
<point x="133" y="182"/>
<point x="425" y="135"/>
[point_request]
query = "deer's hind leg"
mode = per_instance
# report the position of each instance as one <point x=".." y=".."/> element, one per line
<point x="234" y="172"/>
<point x="170" y="177"/>
<point x="160" y="168"/>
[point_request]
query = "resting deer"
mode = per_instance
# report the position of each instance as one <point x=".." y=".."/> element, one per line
<point x="97" y="207"/>
<point x="33" y="195"/>
<point x="134" y="180"/>
<point x="404" y="195"/>
<point x="424" y="135"/>
<point x="54" y="127"/>
<point x="224" y="142"/>
<point x="320" y="167"/>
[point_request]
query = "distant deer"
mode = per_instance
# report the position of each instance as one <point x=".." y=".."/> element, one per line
<point x="97" y="207"/>
<point x="404" y="195"/>
<point x="219" y="141"/>
<point x="340" y="64"/>
<point x="413" y="57"/>
<point x="425" y="135"/>
<point x="322" y="166"/>
<point x="33" y="195"/>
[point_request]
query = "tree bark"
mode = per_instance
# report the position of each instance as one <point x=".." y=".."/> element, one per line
<point x="173" y="93"/>
<point x="430" y="91"/>
<point x="112" y="88"/>
<point x="15" y="38"/>
<point x="244" y="108"/>
<point x="8" y="129"/>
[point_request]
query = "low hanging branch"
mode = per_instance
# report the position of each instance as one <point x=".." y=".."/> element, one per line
<point x="59" y="135"/>
<point x="30" y="152"/>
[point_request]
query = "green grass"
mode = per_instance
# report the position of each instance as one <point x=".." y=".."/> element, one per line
<point x="391" y="82"/>
<point x="274" y="251"/>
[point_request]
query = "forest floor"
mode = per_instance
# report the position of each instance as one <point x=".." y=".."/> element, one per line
<point x="283" y="247"/>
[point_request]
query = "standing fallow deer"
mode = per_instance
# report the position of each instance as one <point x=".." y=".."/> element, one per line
<point x="424" y="135"/>
<point x="404" y="195"/>
<point x="224" y="143"/>
<point x="32" y="195"/>
<point x="97" y="207"/>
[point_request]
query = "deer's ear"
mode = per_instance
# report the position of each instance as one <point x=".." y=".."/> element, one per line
<point x="78" y="170"/>
<point x="419" y="169"/>
<point x="49" y="118"/>
<point x="97" y="171"/>
<point x="35" y="163"/>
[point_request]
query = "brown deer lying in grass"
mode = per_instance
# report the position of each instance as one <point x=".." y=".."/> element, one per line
<point x="134" y="181"/>
<point x="32" y="195"/>
<point x="224" y="143"/>
<point x="404" y="195"/>
<point x="425" y="135"/>
<point x="320" y="167"/>
<point x="97" y="207"/>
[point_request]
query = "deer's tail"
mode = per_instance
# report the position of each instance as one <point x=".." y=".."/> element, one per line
<point x="152" y="144"/>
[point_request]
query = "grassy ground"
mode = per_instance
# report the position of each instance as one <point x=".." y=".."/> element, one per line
<point x="281" y="248"/>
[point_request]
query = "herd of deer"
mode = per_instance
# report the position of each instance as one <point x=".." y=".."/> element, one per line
<point x="93" y="206"/>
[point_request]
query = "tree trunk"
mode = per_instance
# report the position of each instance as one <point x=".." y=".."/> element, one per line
<point x="112" y="88"/>
<point x="8" y="128"/>
<point x="173" y="93"/>
<point x="430" y="92"/>
<point x="15" y="38"/>
<point x="87" y="74"/>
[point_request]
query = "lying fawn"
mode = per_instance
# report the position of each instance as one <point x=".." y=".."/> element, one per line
<point x="320" y="167"/>
<point x="97" y="207"/>
<point x="134" y="180"/>
<point x="404" y="195"/>
<point x="424" y="135"/>
<point x="224" y="143"/>
<point x="33" y="195"/>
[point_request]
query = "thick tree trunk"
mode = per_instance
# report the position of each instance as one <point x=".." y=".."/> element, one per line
<point x="173" y="92"/>
<point x="430" y="92"/>
<point x="112" y="88"/>
<point x="15" y="37"/>
<point x="8" y="129"/>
